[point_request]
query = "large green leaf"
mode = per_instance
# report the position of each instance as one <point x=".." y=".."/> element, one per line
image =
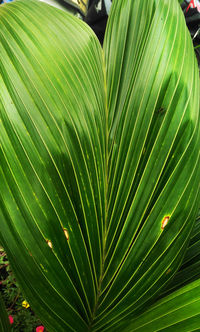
<point x="52" y="152"/>
<point x="99" y="150"/>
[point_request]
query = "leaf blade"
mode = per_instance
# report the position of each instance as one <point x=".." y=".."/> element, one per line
<point x="178" y="310"/>
<point x="51" y="152"/>
<point x="154" y="132"/>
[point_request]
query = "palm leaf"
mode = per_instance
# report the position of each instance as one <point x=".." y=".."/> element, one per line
<point x="99" y="175"/>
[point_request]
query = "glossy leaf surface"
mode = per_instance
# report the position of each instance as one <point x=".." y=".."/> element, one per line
<point x="99" y="149"/>
<point x="190" y="268"/>
<point x="179" y="311"/>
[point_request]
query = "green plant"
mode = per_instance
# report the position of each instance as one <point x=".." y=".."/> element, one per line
<point x="99" y="174"/>
<point x="8" y="282"/>
<point x="4" y="321"/>
<point x="23" y="318"/>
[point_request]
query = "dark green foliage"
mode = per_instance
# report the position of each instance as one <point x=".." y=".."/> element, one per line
<point x="24" y="319"/>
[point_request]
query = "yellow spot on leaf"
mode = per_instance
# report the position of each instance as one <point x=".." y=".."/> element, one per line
<point x="164" y="222"/>
<point x="66" y="233"/>
<point x="49" y="244"/>
<point x="168" y="271"/>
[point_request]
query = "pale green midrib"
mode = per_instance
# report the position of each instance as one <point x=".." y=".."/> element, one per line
<point x="90" y="327"/>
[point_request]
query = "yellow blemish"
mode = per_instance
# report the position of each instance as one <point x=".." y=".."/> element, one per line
<point x="168" y="271"/>
<point x="66" y="233"/>
<point x="164" y="222"/>
<point x="49" y="244"/>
